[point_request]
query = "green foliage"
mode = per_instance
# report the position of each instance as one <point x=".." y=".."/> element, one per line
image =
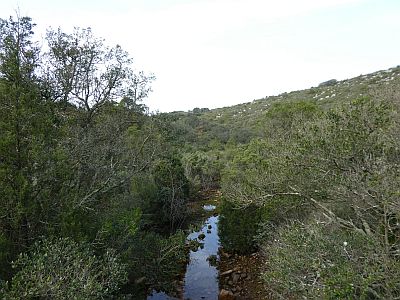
<point x="119" y="230"/>
<point x="238" y="227"/>
<point x="69" y="151"/>
<point x="286" y="112"/>
<point x="168" y="173"/>
<point x="64" y="269"/>
<point x="5" y="256"/>
<point x="27" y="139"/>
<point x="341" y="167"/>
<point x="318" y="261"/>
<point x="162" y="195"/>
<point x="260" y="173"/>
<point x="203" y="169"/>
<point x="357" y="149"/>
<point x="144" y="190"/>
<point x="158" y="259"/>
<point x="283" y="118"/>
<point x="172" y="190"/>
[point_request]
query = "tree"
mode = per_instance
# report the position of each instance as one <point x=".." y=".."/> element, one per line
<point x="173" y="190"/>
<point x="27" y="133"/>
<point x="139" y="89"/>
<point x="105" y="143"/>
<point x="59" y="176"/>
<point x="89" y="74"/>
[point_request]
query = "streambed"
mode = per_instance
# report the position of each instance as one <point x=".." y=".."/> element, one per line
<point x="201" y="277"/>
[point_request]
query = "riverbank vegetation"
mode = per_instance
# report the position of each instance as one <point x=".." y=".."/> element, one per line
<point x="326" y="187"/>
<point x="95" y="188"/>
<point x="93" y="193"/>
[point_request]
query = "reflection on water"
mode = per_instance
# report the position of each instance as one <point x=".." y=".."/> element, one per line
<point x="201" y="279"/>
<point x="160" y="296"/>
<point x="209" y="207"/>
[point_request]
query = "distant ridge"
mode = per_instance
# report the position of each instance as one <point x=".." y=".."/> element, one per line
<point x="241" y="121"/>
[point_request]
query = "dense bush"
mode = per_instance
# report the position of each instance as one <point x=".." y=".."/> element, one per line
<point x="283" y="117"/>
<point x="162" y="195"/>
<point x="341" y="167"/>
<point x="64" y="269"/>
<point x="238" y="227"/>
<point x="322" y="261"/>
<point x="203" y="170"/>
<point x="158" y="260"/>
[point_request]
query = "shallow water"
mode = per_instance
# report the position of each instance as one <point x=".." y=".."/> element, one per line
<point x="209" y="207"/>
<point x="160" y="296"/>
<point x="201" y="279"/>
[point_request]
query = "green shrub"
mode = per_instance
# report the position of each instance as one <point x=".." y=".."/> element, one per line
<point x="162" y="195"/>
<point x="202" y="170"/>
<point x="318" y="261"/>
<point x="157" y="259"/>
<point x="5" y="253"/>
<point x="238" y="227"/>
<point x="283" y="117"/>
<point x="64" y="269"/>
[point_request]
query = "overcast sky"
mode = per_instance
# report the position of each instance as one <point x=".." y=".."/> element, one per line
<point x="215" y="53"/>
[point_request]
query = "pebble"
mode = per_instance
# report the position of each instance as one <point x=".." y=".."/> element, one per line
<point x="235" y="278"/>
<point x="226" y="273"/>
<point x="225" y="295"/>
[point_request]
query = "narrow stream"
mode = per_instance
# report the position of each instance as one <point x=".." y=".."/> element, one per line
<point x="201" y="277"/>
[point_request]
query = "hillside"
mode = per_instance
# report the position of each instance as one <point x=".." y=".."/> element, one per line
<point x="311" y="178"/>
<point x="242" y="122"/>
